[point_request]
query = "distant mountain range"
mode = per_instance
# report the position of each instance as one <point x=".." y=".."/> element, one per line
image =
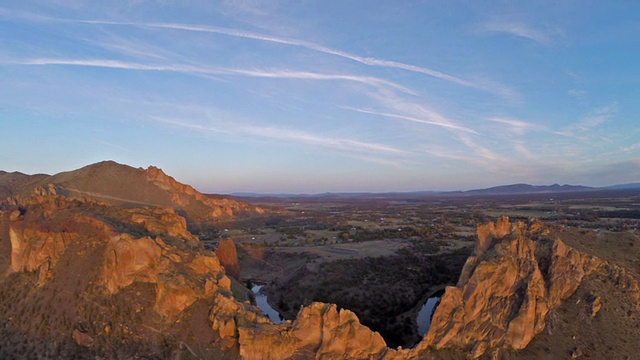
<point x="529" y="189"/>
<point x="512" y="189"/>
<point x="624" y="186"/>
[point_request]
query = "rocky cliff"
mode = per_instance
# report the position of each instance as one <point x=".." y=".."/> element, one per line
<point x="103" y="276"/>
<point x="516" y="276"/>
<point x="82" y="278"/>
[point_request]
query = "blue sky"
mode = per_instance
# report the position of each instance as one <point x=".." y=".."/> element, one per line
<point x="314" y="96"/>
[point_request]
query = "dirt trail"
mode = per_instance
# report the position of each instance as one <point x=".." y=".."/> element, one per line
<point x="109" y="197"/>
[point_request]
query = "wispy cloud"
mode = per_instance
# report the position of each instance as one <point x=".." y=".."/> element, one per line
<point x="438" y="122"/>
<point x="589" y="122"/>
<point x="305" y="75"/>
<point x="632" y="147"/>
<point x="110" y="144"/>
<point x="518" y="29"/>
<point x="186" y="124"/>
<point x="371" y="61"/>
<point x="614" y="173"/>
<point x="596" y="118"/>
<point x="133" y="49"/>
<point x="516" y="126"/>
<point x="354" y="148"/>
<point x="199" y="70"/>
<point x="487" y="156"/>
<point x="292" y="42"/>
<point x="401" y="108"/>
<point x="521" y="148"/>
<point x="312" y="139"/>
<point x="577" y="92"/>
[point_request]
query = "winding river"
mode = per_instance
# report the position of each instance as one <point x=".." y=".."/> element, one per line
<point x="261" y="301"/>
<point x="425" y="314"/>
<point x="423" y="320"/>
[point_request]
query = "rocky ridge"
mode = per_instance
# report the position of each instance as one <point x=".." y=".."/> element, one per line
<point x="120" y="184"/>
<point x="132" y="282"/>
<point x="220" y="206"/>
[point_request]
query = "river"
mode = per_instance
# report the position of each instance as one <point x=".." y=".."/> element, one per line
<point x="261" y="301"/>
<point x="425" y="314"/>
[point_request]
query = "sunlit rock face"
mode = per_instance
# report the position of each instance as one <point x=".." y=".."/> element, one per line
<point x="115" y="275"/>
<point x="320" y="331"/>
<point x="50" y="224"/>
<point x="515" y="276"/>
<point x="228" y="256"/>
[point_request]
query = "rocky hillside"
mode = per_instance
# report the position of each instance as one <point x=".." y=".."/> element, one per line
<point x="86" y="279"/>
<point x="82" y="278"/>
<point x="120" y="184"/>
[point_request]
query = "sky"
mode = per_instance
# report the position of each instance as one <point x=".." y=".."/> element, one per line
<point x="327" y="95"/>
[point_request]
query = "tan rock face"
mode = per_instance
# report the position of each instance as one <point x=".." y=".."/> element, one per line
<point x="507" y="288"/>
<point x="320" y="331"/>
<point x="228" y="256"/>
<point x="33" y="249"/>
<point x="164" y="221"/>
<point x="127" y="260"/>
<point x="181" y="277"/>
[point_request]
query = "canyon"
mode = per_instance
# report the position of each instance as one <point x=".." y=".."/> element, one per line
<point x="82" y="277"/>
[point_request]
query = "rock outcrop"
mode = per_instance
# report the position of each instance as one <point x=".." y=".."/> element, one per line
<point x="228" y="256"/>
<point x="508" y="286"/>
<point x="163" y="221"/>
<point x="127" y="259"/>
<point x="320" y="331"/>
<point x="181" y="277"/>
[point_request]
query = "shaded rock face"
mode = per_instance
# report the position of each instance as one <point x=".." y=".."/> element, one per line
<point x="36" y="248"/>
